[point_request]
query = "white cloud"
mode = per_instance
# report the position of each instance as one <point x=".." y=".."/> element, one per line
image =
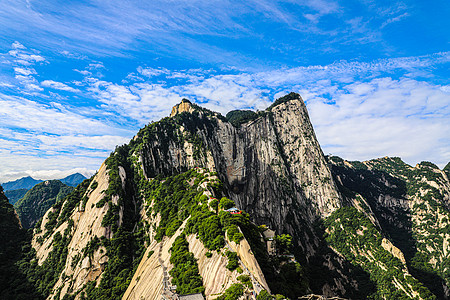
<point x="24" y="71"/>
<point x="25" y="59"/>
<point x="406" y="118"/>
<point x="45" y="174"/>
<point x="150" y="72"/>
<point x="83" y="72"/>
<point x="59" y="86"/>
<point x="395" y="19"/>
<point x="17" y="45"/>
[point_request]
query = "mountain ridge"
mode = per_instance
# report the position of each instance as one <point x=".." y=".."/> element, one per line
<point x="170" y="187"/>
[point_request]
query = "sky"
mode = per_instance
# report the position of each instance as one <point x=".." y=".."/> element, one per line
<point x="78" y="78"/>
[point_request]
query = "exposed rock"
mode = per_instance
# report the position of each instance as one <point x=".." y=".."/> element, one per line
<point x="388" y="246"/>
<point x="184" y="106"/>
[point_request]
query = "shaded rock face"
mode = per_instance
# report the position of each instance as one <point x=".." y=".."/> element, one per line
<point x="272" y="167"/>
<point x="409" y="204"/>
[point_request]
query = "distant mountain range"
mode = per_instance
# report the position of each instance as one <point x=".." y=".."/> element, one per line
<point x="16" y="190"/>
<point x="22" y="183"/>
<point x="28" y="182"/>
<point x="73" y="180"/>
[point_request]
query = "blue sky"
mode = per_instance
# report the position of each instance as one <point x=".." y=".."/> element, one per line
<point x="79" y="77"/>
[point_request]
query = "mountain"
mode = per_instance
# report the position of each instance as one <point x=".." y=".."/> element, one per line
<point x="15" y="195"/>
<point x="73" y="180"/>
<point x="15" y="190"/>
<point x="13" y="283"/>
<point x="410" y="205"/>
<point x="22" y="183"/>
<point x="39" y="199"/>
<point x="240" y="205"/>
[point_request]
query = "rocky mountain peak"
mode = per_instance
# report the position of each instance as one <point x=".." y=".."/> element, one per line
<point x="184" y="105"/>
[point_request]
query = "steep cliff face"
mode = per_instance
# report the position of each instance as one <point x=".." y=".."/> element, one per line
<point x="411" y="205"/>
<point x="272" y="167"/>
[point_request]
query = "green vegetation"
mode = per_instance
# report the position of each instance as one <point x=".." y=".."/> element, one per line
<point x="15" y="195"/>
<point x="353" y="235"/>
<point x="185" y="271"/>
<point x="232" y="293"/>
<point x="233" y="262"/>
<point x="234" y="234"/>
<point x="246" y="280"/>
<point x="13" y="247"/>
<point x="39" y="199"/>
<point x="226" y="203"/>
<point x="239" y="117"/>
<point x="264" y="295"/>
<point x="284" y="99"/>
<point x="283" y="243"/>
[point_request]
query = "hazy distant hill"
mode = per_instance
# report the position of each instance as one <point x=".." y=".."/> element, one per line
<point x="15" y="190"/>
<point x="73" y="180"/>
<point x="39" y="199"/>
<point x="15" y="195"/>
<point x="22" y="183"/>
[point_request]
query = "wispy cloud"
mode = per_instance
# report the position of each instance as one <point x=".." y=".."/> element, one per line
<point x="204" y="31"/>
<point x="58" y="85"/>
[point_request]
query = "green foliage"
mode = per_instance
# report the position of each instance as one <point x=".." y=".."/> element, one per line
<point x="353" y="235"/>
<point x="226" y="203"/>
<point x="39" y="199"/>
<point x="235" y="291"/>
<point x="234" y="234"/>
<point x="239" y="117"/>
<point x="284" y="99"/>
<point x="185" y="273"/>
<point x="264" y="295"/>
<point x="44" y="276"/>
<point x="208" y="254"/>
<point x="245" y="279"/>
<point x="233" y="261"/>
<point x="94" y="185"/>
<point x="91" y="247"/>
<point x="283" y="243"/>
<point x="13" y="247"/>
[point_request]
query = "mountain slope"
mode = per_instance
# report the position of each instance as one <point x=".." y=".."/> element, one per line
<point x="156" y="215"/>
<point x="15" y="195"/>
<point x="73" y="180"/>
<point x="22" y="183"/>
<point x="411" y="207"/>
<point x="13" y="283"/>
<point x="39" y="199"/>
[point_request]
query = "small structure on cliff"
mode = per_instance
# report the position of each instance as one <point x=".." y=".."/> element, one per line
<point x="234" y="211"/>
<point x="269" y="236"/>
